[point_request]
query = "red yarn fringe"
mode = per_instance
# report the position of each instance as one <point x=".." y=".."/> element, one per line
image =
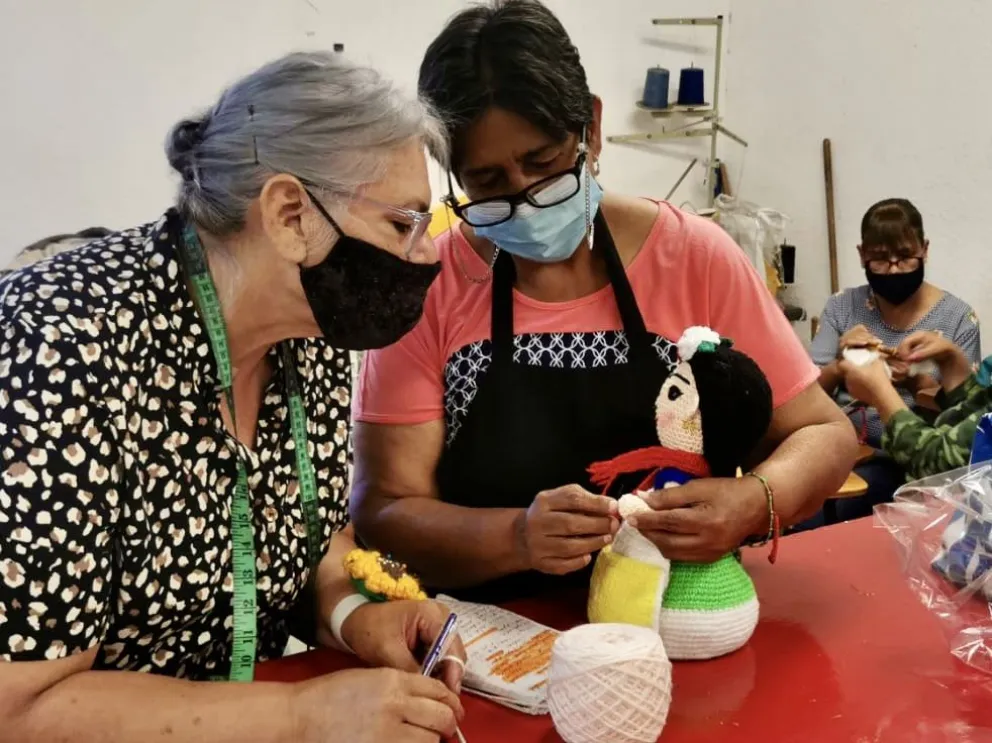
<point x="651" y="458"/>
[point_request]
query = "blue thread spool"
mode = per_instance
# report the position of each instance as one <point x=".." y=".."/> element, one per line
<point x="691" y="91"/>
<point x="656" y="88"/>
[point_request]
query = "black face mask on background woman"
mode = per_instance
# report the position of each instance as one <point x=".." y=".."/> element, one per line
<point x="895" y="288"/>
<point x="362" y="296"/>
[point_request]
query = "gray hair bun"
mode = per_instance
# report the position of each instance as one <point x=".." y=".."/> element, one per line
<point x="329" y="122"/>
<point x="181" y="145"/>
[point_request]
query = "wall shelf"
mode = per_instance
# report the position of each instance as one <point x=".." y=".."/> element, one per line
<point x="676" y="108"/>
<point x="701" y="120"/>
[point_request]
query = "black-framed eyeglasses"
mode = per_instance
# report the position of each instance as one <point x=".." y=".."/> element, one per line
<point x="902" y="263"/>
<point x="541" y="194"/>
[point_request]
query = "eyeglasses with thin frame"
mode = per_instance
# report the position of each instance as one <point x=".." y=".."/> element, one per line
<point x="415" y="223"/>
<point x="541" y="194"/>
<point x="902" y="263"/>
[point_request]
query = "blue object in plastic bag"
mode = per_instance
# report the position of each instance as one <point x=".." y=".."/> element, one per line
<point x="981" y="450"/>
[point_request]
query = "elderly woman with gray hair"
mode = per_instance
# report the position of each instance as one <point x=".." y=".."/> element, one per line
<point x="174" y="432"/>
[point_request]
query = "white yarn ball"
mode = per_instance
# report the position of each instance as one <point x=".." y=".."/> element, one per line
<point x="609" y="683"/>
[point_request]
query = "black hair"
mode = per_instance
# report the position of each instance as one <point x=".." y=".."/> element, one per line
<point x="512" y="54"/>
<point x="735" y="405"/>
<point x="891" y="222"/>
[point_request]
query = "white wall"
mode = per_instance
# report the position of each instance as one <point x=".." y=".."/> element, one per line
<point x="900" y="87"/>
<point x="89" y="89"/>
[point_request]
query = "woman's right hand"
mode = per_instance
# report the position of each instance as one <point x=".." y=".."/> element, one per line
<point x="927" y="345"/>
<point x="378" y="705"/>
<point x="563" y="527"/>
<point x="857" y="337"/>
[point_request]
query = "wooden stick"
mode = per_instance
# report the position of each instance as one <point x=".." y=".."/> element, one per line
<point x="828" y="176"/>
<point x="725" y="179"/>
<point x="678" y="183"/>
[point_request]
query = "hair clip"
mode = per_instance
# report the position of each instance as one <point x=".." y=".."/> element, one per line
<point x="254" y="139"/>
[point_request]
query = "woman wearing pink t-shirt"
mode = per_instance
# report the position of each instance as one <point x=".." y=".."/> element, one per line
<point x="547" y="336"/>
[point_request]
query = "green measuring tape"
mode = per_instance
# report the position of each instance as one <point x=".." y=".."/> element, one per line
<point x="244" y="603"/>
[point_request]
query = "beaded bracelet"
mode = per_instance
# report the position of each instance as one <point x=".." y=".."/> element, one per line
<point x="774" y="524"/>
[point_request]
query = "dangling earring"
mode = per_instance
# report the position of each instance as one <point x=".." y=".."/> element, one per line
<point x="590" y="225"/>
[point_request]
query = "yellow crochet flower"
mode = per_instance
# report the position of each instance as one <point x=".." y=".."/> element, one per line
<point x="381" y="579"/>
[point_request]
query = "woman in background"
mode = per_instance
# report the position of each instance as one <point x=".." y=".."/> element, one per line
<point x="895" y="303"/>
<point x="547" y="337"/>
<point x="174" y="433"/>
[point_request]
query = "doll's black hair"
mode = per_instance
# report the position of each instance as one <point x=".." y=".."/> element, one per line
<point x="735" y="405"/>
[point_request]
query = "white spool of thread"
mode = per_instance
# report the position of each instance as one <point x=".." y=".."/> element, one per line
<point x="609" y="683"/>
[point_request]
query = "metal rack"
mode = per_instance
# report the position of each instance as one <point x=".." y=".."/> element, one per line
<point x="701" y="121"/>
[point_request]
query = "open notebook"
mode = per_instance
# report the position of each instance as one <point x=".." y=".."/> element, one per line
<point x="508" y="655"/>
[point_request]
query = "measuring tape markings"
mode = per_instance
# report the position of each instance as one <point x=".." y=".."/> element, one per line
<point x="245" y="602"/>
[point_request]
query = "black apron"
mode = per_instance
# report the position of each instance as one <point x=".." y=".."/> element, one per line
<point x="533" y="428"/>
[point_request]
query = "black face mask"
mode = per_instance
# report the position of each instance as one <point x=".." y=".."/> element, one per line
<point x="362" y="296"/>
<point x="895" y="288"/>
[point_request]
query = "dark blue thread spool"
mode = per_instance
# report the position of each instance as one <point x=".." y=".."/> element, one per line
<point x="691" y="91"/>
<point x="656" y="88"/>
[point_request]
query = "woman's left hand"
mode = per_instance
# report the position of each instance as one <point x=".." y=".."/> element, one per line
<point x="871" y="385"/>
<point x="704" y="519"/>
<point x="389" y="633"/>
<point x="866" y="383"/>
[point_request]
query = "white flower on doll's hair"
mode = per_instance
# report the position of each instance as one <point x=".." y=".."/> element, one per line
<point x="697" y="338"/>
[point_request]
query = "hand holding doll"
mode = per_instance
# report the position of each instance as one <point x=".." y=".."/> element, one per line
<point x="705" y="518"/>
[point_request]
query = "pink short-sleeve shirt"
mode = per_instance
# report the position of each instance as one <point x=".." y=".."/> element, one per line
<point x="688" y="272"/>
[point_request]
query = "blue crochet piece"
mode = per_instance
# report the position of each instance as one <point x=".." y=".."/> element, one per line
<point x="669" y="475"/>
<point x="967" y="553"/>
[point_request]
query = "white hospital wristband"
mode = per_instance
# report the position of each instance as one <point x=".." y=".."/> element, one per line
<point x="342" y="611"/>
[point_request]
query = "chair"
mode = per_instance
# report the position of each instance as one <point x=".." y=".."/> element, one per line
<point x="854" y="487"/>
<point x="49" y="246"/>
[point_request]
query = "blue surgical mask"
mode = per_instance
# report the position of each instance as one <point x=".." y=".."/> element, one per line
<point x="551" y="234"/>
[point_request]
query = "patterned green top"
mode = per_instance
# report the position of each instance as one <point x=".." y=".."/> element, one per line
<point x="925" y="450"/>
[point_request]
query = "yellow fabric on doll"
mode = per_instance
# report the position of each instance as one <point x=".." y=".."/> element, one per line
<point x="626" y="590"/>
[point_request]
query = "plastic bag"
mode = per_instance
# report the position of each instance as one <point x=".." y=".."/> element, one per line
<point x="942" y="527"/>
<point x="758" y="230"/>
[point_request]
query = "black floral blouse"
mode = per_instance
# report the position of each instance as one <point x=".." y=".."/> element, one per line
<point x="117" y="472"/>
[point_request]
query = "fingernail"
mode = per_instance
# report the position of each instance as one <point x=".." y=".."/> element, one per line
<point x="607" y="539"/>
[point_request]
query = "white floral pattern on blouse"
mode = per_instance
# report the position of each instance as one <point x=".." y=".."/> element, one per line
<point x="117" y="473"/>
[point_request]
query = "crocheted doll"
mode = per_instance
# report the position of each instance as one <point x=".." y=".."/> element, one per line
<point x="712" y="411"/>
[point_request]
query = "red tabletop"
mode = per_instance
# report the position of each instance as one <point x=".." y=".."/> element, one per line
<point x="843" y="652"/>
